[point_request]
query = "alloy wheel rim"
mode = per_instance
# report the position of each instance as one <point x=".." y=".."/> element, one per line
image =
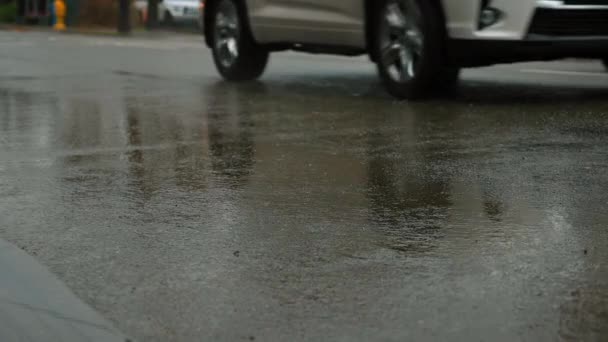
<point x="402" y="40"/>
<point x="227" y="34"/>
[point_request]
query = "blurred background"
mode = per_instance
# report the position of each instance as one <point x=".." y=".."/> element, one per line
<point x="182" y="15"/>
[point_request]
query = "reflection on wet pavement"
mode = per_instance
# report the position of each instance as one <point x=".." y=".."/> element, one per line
<point x="277" y="210"/>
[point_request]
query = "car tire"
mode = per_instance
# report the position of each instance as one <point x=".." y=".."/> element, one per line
<point x="236" y="55"/>
<point x="605" y="61"/>
<point x="409" y="46"/>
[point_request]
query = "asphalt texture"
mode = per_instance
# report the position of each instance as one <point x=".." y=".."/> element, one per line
<point x="310" y="205"/>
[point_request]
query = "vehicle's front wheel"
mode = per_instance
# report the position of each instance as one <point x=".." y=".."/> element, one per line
<point x="236" y="55"/>
<point x="409" y="49"/>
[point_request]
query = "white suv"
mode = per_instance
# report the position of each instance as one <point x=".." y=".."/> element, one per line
<point x="419" y="46"/>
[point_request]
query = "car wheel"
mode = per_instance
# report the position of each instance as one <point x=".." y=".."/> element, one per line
<point x="236" y="55"/>
<point x="605" y="61"/>
<point x="409" y="49"/>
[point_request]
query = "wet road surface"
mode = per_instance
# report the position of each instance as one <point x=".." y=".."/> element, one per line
<point x="308" y="206"/>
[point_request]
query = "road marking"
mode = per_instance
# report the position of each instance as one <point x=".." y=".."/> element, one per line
<point x="566" y="73"/>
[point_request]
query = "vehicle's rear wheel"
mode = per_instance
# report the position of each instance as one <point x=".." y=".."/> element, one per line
<point x="236" y="55"/>
<point x="409" y="45"/>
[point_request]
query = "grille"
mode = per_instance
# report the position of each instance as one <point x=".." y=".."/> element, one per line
<point x="586" y="2"/>
<point x="570" y="22"/>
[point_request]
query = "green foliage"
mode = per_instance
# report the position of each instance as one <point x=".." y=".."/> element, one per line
<point x="8" y="12"/>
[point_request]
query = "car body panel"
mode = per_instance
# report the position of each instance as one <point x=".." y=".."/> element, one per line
<point x="336" y="22"/>
<point x="175" y="8"/>
<point x="183" y="9"/>
<point x="462" y="23"/>
<point x="461" y="17"/>
<point x="342" y="22"/>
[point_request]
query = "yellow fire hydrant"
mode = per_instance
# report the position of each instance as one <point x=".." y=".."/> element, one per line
<point x="60" y="14"/>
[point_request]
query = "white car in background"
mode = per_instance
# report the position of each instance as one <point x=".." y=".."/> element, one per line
<point x="172" y="12"/>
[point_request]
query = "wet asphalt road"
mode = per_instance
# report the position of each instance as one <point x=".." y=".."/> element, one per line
<point x="308" y="206"/>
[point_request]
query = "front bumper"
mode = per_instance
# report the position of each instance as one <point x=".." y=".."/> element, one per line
<point x="472" y="53"/>
<point x="523" y="18"/>
<point x="559" y="23"/>
<point x="534" y="30"/>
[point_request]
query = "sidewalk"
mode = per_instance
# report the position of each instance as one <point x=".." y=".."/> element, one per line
<point x="39" y="307"/>
<point x="138" y="32"/>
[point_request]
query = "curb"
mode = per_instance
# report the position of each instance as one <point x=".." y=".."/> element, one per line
<point x="88" y="31"/>
<point x="138" y="32"/>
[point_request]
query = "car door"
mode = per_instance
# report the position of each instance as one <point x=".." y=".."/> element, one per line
<point x="324" y="22"/>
